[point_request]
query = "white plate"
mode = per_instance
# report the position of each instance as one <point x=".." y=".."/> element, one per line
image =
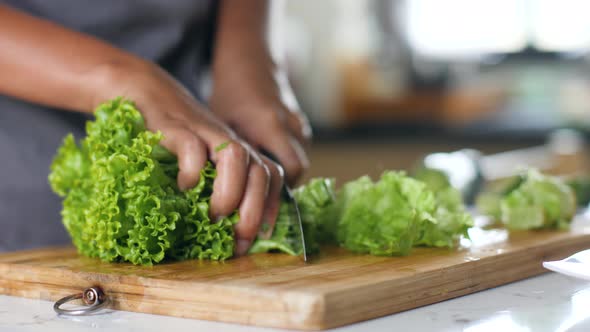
<point x="577" y="265"/>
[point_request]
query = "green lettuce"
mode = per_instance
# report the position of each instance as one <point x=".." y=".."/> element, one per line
<point x="384" y="218"/>
<point x="314" y="201"/>
<point x="121" y="201"/>
<point x="531" y="201"/>
<point x="540" y="201"/>
<point x="450" y="221"/>
<point x="396" y="213"/>
<point x="388" y="217"/>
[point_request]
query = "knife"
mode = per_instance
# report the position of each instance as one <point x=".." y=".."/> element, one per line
<point x="294" y="213"/>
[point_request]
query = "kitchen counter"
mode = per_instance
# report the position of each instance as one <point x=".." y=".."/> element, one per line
<point x="550" y="302"/>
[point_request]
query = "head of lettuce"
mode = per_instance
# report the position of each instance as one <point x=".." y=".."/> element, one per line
<point x="121" y="201"/>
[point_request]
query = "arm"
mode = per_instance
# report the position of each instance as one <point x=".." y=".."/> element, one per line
<point x="251" y="91"/>
<point x="67" y="70"/>
<point x="74" y="71"/>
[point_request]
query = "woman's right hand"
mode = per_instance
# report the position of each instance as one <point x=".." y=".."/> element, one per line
<point x="245" y="180"/>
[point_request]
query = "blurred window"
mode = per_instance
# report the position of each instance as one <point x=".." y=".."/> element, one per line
<point x="468" y="28"/>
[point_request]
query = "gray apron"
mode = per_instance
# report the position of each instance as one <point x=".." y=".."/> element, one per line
<point x="177" y="34"/>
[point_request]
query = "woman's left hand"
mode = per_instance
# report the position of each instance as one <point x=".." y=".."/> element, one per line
<point x="264" y="112"/>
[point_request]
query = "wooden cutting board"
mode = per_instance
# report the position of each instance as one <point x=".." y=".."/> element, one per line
<point x="334" y="289"/>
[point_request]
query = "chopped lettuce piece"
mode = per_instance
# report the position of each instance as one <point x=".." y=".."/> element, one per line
<point x="450" y="221"/>
<point x="540" y="201"/>
<point x="285" y="237"/>
<point x="314" y="200"/>
<point x="384" y="218"/>
<point x="531" y="201"/>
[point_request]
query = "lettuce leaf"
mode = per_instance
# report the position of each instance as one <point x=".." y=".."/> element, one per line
<point x="450" y="221"/>
<point x="531" y="201"/>
<point x="314" y="200"/>
<point x="121" y="202"/>
<point x="384" y="218"/>
<point x="284" y="237"/>
<point x="540" y="201"/>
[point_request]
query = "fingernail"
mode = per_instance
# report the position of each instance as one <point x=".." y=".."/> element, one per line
<point x="242" y="247"/>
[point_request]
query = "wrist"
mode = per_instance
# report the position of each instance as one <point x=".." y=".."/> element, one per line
<point x="267" y="88"/>
<point x="118" y="77"/>
<point x="244" y="79"/>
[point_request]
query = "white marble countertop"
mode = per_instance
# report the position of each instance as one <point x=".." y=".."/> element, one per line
<point x="550" y="302"/>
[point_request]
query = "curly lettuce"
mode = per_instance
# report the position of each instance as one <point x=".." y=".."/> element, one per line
<point x="121" y="201"/>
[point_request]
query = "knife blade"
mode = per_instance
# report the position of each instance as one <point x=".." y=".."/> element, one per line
<point x="294" y="213"/>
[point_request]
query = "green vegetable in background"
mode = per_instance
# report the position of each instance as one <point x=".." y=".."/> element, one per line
<point x="539" y="202"/>
<point x="433" y="178"/>
<point x="488" y="202"/>
<point x="533" y="201"/>
<point x="581" y="187"/>
<point x="121" y="202"/>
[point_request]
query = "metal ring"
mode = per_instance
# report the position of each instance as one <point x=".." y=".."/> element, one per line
<point x="94" y="298"/>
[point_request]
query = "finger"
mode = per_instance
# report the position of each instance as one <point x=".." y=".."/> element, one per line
<point x="252" y="206"/>
<point x="273" y="199"/>
<point x="290" y="153"/>
<point x="232" y="161"/>
<point x="191" y="153"/>
<point x="299" y="126"/>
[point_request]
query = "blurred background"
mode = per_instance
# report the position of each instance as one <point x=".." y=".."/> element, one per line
<point x="386" y="82"/>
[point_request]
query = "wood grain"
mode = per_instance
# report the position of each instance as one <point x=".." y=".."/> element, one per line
<point x="333" y="289"/>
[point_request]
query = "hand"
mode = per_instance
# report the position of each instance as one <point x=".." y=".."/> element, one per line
<point x="246" y="180"/>
<point x="268" y="117"/>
